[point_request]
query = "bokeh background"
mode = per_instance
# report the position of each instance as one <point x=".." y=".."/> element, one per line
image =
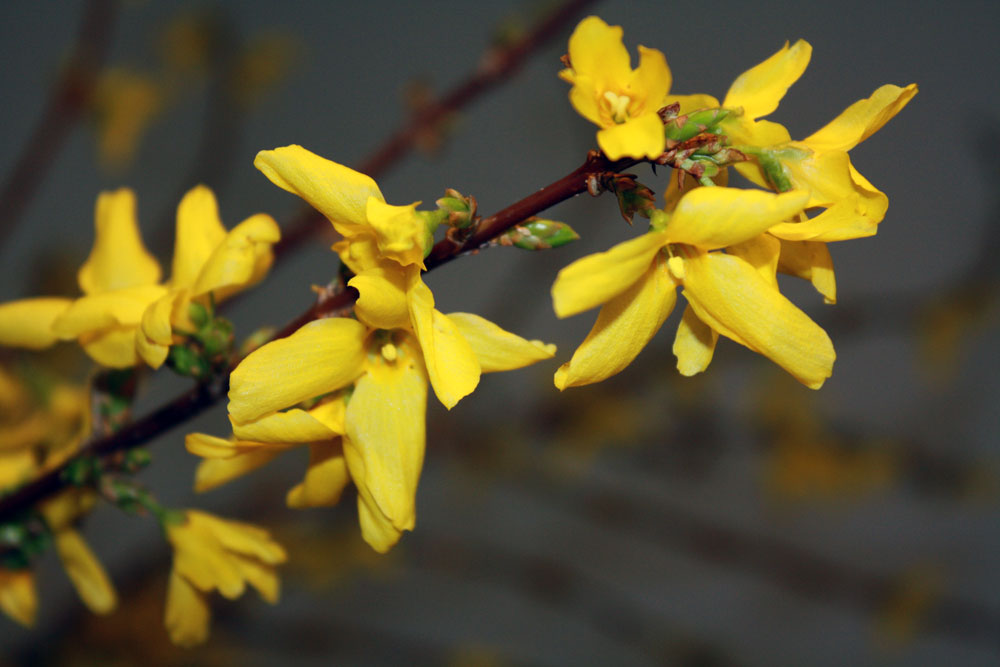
<point x="732" y="518"/>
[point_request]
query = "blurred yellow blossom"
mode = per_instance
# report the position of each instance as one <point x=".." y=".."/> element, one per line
<point x="125" y="103"/>
<point x="215" y="554"/>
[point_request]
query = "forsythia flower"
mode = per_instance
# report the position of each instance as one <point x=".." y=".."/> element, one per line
<point x="609" y="93"/>
<point x="818" y="164"/>
<point x="734" y="293"/>
<point x="214" y="554"/>
<point x="120" y="282"/>
<point x="398" y="344"/>
<point x="125" y="103"/>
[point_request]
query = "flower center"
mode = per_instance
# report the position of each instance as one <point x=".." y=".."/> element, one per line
<point x="618" y="105"/>
<point x="389" y="352"/>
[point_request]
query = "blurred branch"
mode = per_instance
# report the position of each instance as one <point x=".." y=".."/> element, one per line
<point x="67" y="103"/>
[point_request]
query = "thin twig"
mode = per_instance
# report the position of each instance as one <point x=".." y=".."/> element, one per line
<point x="67" y="103"/>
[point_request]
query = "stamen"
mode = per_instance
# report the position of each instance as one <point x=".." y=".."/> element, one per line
<point x="618" y="106"/>
<point x="389" y="352"/>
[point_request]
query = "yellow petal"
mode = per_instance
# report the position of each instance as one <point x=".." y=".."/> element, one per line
<point x="694" y="344"/>
<point x="639" y="137"/>
<point x="730" y="296"/>
<point x="584" y="97"/>
<point x="497" y="349"/>
<point x="210" y="446"/>
<point x="760" y="252"/>
<point x="17" y="595"/>
<point x="360" y="254"/>
<point x="596" y="51"/>
<point x="650" y="82"/>
<point x="295" y="426"/>
<point x="241" y="259"/>
<point x="842" y="221"/>
<point x="760" y="89"/>
<point x="28" y="322"/>
<point x="382" y="301"/>
<point x="624" y="326"/>
<point x="691" y="103"/>
<point x="325" y="479"/>
<point x="118" y="258"/>
<point x="261" y="576"/>
<point x="113" y="348"/>
<point x="376" y="528"/>
<point x="318" y="358"/>
<point x="400" y="233"/>
<point x="593" y="280"/>
<point x="199" y="232"/>
<point x="339" y="193"/>
<point x="717" y="217"/>
<point x="187" y="615"/>
<point x="810" y="261"/>
<point x="107" y="309"/>
<point x="86" y="573"/>
<point x="451" y="364"/>
<point x="862" y="119"/>
<point x="155" y="334"/>
<point x="239" y="537"/>
<point x="214" y="472"/>
<point x="384" y="447"/>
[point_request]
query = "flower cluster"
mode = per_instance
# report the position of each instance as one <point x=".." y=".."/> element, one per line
<point x="722" y="246"/>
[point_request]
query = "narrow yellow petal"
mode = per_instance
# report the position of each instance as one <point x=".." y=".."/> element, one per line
<point x="382" y="301"/>
<point x="261" y="576"/>
<point x="760" y="89"/>
<point x="451" y="364"/>
<point x="376" y="528"/>
<point x="325" y="479"/>
<point x="155" y="334"/>
<point x="810" y="261"/>
<point x="844" y="220"/>
<point x="717" y="217"/>
<point x="318" y="358"/>
<point x="295" y="425"/>
<point x="594" y="279"/>
<point x="17" y="595"/>
<point x="760" y="252"/>
<point x="187" y="616"/>
<point x="339" y="193"/>
<point x="384" y="446"/>
<point x="210" y="446"/>
<point x="730" y="296"/>
<point x="119" y="307"/>
<point x="624" y="325"/>
<point x="241" y="259"/>
<point x="28" y="322"/>
<point x="199" y="232"/>
<point x="584" y="98"/>
<point x="400" y="233"/>
<point x="113" y="348"/>
<point x="118" y="259"/>
<point x="862" y="119"/>
<point x="239" y="537"/>
<point x="214" y="472"/>
<point x="596" y="51"/>
<point x="86" y="573"/>
<point x="639" y="137"/>
<point x="497" y="349"/>
<point x="691" y="103"/>
<point x="694" y="344"/>
<point x="650" y="82"/>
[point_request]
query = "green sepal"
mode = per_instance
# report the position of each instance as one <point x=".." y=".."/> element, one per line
<point x="432" y="220"/>
<point x="681" y="128"/>
<point x="83" y="471"/>
<point x="186" y="361"/>
<point x="538" y="234"/>
<point x="459" y="210"/>
<point x="198" y="314"/>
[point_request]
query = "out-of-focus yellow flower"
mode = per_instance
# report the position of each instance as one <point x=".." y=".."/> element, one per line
<point x="263" y="63"/>
<point x="606" y="90"/>
<point x="121" y="282"/>
<point x="125" y="103"/>
<point x="215" y="554"/>
<point x="18" y="598"/>
<point x="732" y="293"/>
<point x="397" y="345"/>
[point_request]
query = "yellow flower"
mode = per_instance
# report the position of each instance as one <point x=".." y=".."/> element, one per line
<point x="121" y="282"/>
<point x="18" y="598"/>
<point x="732" y="293"/>
<point x="398" y="344"/>
<point x="125" y="103"/>
<point x="215" y="554"/>
<point x="818" y="164"/>
<point x="606" y="90"/>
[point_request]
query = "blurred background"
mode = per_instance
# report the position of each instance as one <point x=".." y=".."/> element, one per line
<point x="735" y="518"/>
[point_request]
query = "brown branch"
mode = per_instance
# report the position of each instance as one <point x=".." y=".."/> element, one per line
<point x="205" y="395"/>
<point x="67" y="103"/>
<point x="498" y="64"/>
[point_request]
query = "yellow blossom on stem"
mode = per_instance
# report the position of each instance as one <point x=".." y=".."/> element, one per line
<point x="121" y="285"/>
<point x="215" y="554"/>
<point x="732" y="293"/>
<point x="386" y="358"/>
<point x="622" y="101"/>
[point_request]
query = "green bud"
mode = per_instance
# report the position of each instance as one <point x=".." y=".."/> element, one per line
<point x="135" y="460"/>
<point x="658" y="220"/>
<point x="538" y="234"/>
<point x="459" y="210"/>
<point x="682" y="128"/>
<point x="82" y="472"/>
<point x="216" y="338"/>
<point x="186" y="361"/>
<point x="198" y="314"/>
<point x="432" y="220"/>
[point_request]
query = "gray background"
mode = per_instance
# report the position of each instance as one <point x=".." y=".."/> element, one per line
<point x="629" y="523"/>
